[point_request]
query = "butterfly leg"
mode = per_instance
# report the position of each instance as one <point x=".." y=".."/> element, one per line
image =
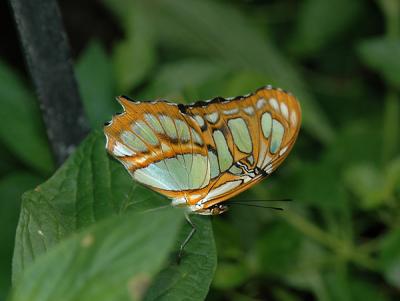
<point x="185" y="242"/>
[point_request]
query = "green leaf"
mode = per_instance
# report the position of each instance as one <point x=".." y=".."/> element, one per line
<point x="8" y="162"/>
<point x="335" y="283"/>
<point x="278" y="249"/>
<point x="243" y="82"/>
<point x="309" y="37"/>
<point x="305" y="271"/>
<point x="367" y="183"/>
<point x="230" y="275"/>
<point x="87" y="188"/>
<point x="282" y="295"/>
<point x="361" y="290"/>
<point x="341" y="284"/>
<point x="96" y="81"/>
<point x="389" y="257"/>
<point x="113" y="260"/>
<point x="191" y="279"/>
<point x="220" y="32"/>
<point x="381" y="55"/>
<point x="24" y="134"/>
<point x="316" y="186"/>
<point x="358" y="141"/>
<point x="11" y="188"/>
<point x="134" y="56"/>
<point x="186" y="80"/>
<point x="374" y="187"/>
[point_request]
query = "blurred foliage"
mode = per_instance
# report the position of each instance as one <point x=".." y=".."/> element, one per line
<point x="11" y="188"/>
<point x="101" y="87"/>
<point x="18" y="109"/>
<point x="87" y="232"/>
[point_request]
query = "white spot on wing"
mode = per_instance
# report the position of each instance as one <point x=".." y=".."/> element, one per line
<point x="267" y="160"/>
<point x="261" y="103"/>
<point x="293" y="118"/>
<point x="106" y="141"/>
<point x="285" y="111"/>
<point x="199" y="120"/>
<point x="283" y="150"/>
<point x="274" y="103"/>
<point x="212" y="117"/>
<point x="249" y="110"/>
<point x="269" y="169"/>
<point x="231" y="111"/>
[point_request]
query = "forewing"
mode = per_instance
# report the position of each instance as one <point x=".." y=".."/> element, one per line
<point x="250" y="136"/>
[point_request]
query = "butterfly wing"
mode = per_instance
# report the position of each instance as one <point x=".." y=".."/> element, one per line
<point x="206" y="152"/>
<point x="160" y="147"/>
<point x="250" y="137"/>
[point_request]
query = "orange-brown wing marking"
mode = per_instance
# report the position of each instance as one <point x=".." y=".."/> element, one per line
<point x="208" y="151"/>
<point x="272" y="118"/>
<point x="156" y="134"/>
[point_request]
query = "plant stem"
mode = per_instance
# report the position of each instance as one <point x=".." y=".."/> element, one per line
<point x="48" y="57"/>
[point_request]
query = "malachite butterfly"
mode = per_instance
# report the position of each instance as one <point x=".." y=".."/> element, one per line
<point x="201" y="155"/>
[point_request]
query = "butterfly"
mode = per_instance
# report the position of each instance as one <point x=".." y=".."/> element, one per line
<point x="201" y="155"/>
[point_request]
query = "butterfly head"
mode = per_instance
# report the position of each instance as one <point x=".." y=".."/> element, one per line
<point x="216" y="209"/>
<point x="200" y="207"/>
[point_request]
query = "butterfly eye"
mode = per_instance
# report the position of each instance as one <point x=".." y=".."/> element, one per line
<point x="223" y="208"/>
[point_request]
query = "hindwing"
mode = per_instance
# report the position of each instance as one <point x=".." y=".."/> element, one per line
<point x="205" y="152"/>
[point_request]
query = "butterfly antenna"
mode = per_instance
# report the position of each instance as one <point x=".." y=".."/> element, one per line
<point x="255" y="205"/>
<point x="276" y="200"/>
